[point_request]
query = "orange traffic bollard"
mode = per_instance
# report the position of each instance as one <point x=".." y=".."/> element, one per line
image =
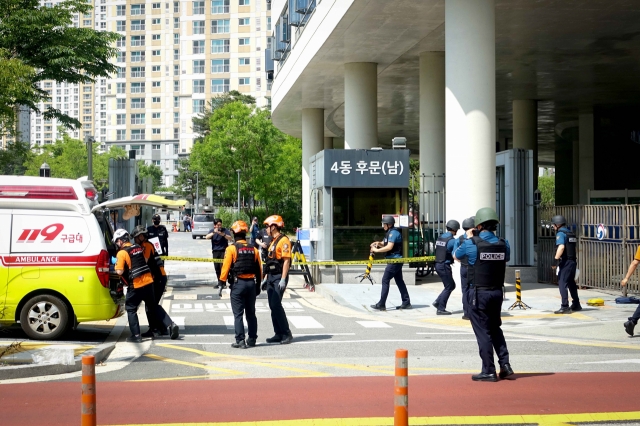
<point x="401" y="389"/>
<point x="88" y="399"/>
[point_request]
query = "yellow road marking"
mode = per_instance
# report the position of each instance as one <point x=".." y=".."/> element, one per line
<point x="246" y="360"/>
<point x="543" y="419"/>
<point x="191" y="364"/>
<point x="164" y="379"/>
<point x="597" y="344"/>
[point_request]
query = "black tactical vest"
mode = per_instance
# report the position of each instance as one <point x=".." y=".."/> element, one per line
<point x="152" y="263"/>
<point x="397" y="246"/>
<point x="441" y="249"/>
<point x="464" y="261"/>
<point x="570" y="243"/>
<point x="245" y="260"/>
<point x="489" y="270"/>
<point x="274" y="266"/>
<point x="139" y="266"/>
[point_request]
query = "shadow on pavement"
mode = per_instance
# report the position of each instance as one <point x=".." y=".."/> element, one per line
<point x="528" y="375"/>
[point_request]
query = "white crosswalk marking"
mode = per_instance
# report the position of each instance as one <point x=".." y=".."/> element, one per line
<point x="179" y="322"/>
<point x="304" y="322"/>
<point x="229" y="320"/>
<point x="373" y="324"/>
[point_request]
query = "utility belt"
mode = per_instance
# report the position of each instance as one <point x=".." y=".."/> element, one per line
<point x="273" y="267"/>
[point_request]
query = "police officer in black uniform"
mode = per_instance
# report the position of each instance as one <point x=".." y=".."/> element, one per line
<point x="487" y="256"/>
<point x="160" y="231"/>
<point x="244" y="260"/>
<point x="467" y="224"/>
<point x="565" y="259"/>
<point x="444" y="259"/>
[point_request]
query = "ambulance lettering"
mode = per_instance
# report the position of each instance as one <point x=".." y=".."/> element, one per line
<point x="37" y="259"/>
<point x="49" y="233"/>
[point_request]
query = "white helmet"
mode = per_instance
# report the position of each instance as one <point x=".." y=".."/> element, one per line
<point x="120" y="234"/>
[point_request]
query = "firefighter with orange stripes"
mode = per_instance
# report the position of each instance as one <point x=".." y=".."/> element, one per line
<point x="244" y="262"/>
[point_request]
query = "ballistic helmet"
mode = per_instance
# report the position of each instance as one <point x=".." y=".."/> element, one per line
<point x="559" y="220"/>
<point x="120" y="234"/>
<point x="389" y="220"/>
<point x="274" y="220"/>
<point x="156" y="216"/>
<point x="138" y="230"/>
<point x="453" y="224"/>
<point x="486" y="216"/>
<point x="239" y="226"/>
<point x="469" y="223"/>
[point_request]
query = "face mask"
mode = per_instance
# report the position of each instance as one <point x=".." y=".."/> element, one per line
<point x="156" y="222"/>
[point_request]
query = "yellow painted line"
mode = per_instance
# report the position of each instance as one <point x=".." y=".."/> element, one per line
<point x="191" y="364"/>
<point x="165" y="379"/>
<point x="597" y="344"/>
<point x="246" y="360"/>
<point x="543" y="419"/>
<point x="448" y="321"/>
<point x="574" y="315"/>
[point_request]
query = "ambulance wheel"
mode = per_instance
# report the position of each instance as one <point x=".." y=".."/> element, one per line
<point x="44" y="317"/>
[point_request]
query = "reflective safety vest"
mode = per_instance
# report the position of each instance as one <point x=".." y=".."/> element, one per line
<point x="489" y="270"/>
<point x="139" y="266"/>
<point x="571" y="241"/>
<point x="245" y="260"/>
<point x="273" y="265"/>
<point x="442" y="255"/>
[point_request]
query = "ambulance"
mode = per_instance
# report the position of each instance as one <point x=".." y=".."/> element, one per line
<point x="54" y="256"/>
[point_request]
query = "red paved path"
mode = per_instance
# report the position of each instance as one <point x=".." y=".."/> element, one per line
<point x="339" y="397"/>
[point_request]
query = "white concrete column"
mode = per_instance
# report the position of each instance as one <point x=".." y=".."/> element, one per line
<point x="328" y="143"/>
<point x="432" y="113"/>
<point x="360" y="105"/>
<point x="470" y="62"/>
<point x="585" y="162"/>
<point x="312" y="143"/>
<point x="525" y="130"/>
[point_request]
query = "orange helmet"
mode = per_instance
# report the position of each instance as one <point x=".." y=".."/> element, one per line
<point x="274" y="220"/>
<point x="239" y="226"/>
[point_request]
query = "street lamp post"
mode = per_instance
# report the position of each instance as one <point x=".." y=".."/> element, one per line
<point x="238" y="171"/>
<point x="197" y="190"/>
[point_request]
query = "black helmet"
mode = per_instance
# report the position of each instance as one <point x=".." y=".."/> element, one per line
<point x="559" y="220"/>
<point x="156" y="216"/>
<point x="453" y="224"/>
<point x="139" y="230"/>
<point x="389" y="220"/>
<point x="469" y="223"/>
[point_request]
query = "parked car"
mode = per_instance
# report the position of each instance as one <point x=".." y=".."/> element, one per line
<point x="202" y="223"/>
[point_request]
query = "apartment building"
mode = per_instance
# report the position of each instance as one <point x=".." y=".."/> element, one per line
<point x="173" y="57"/>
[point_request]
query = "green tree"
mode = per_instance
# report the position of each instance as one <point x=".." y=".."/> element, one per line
<point x="202" y="121"/>
<point x="152" y="171"/>
<point x="185" y="182"/>
<point x="547" y="187"/>
<point x="14" y="157"/>
<point x="16" y="83"/>
<point x="244" y="138"/>
<point x="44" y="39"/>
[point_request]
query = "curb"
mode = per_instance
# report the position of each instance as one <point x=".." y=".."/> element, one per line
<point x="100" y="352"/>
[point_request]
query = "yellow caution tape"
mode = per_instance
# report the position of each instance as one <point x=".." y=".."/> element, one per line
<point x="323" y="263"/>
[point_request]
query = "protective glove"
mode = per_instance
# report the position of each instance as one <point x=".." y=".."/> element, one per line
<point x="556" y="262"/>
<point x="221" y="284"/>
<point x="264" y="284"/>
<point x="282" y="284"/>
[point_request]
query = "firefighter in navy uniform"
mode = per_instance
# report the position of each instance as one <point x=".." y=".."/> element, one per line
<point x="487" y="256"/>
<point x="159" y="231"/>
<point x="135" y="273"/>
<point x="467" y="224"/>
<point x="565" y="259"/>
<point x="277" y="278"/>
<point x="244" y="261"/>
<point x="392" y="247"/>
<point x="444" y="258"/>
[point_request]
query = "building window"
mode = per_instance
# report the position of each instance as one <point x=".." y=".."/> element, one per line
<point x="176" y="54"/>
<point x="138" y="56"/>
<point x="121" y="135"/>
<point x="155" y="115"/>
<point x="176" y="23"/>
<point x="155" y="53"/>
<point x="136" y="136"/>
<point x="176" y="70"/>
<point x="156" y="132"/>
<point x="198" y="8"/>
<point x="219" y="26"/>
<point x="176" y="102"/>
<point x="176" y="7"/>
<point x="244" y="41"/>
<point x="176" y="119"/>
<point x="155" y="6"/>
<point x="244" y="61"/>
<point x="244" y="81"/>
<point x="220" y="85"/>
<point x="155" y="36"/>
<point x="121" y="10"/>
<point x="121" y="119"/>
<point x="155" y="99"/>
<point x="137" y="118"/>
<point x="122" y="42"/>
<point x="176" y="38"/>
<point x="122" y="72"/>
<point x="244" y="2"/>
<point x="121" y="103"/>
<point x="176" y="135"/>
<point x="121" y="57"/>
<point x="219" y="65"/>
<point x="219" y="6"/>
<point x="258" y="63"/>
<point x="137" y="103"/>
<point x="137" y="41"/>
<point x="198" y="46"/>
<point x="269" y="23"/>
<point x="244" y="21"/>
<point x="121" y="25"/>
<point x="220" y="46"/>
<point x="121" y="87"/>
<point x="198" y="86"/>
<point x="137" y="87"/>
<point x="155" y="21"/>
<point x="176" y="86"/>
<point x="198" y="66"/>
<point x="138" y="25"/>
<point x="137" y="9"/>
<point x="258" y="83"/>
<point x="155" y="147"/>
<point x="258" y="24"/>
<point x="156" y="68"/>
<point x="155" y="84"/>
<point x="176" y="149"/>
<point x="198" y="27"/>
<point x="198" y="106"/>
<point x="137" y="72"/>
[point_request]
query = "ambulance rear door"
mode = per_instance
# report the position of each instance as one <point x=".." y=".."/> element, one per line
<point x="5" y="242"/>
